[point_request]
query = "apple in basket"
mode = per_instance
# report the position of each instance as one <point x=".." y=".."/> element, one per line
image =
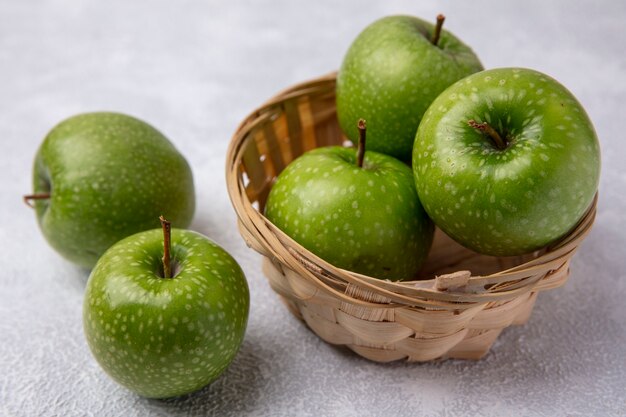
<point x="391" y="73"/>
<point x="506" y="161"/>
<point x="356" y="210"/>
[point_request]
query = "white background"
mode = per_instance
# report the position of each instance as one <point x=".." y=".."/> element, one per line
<point x="194" y="69"/>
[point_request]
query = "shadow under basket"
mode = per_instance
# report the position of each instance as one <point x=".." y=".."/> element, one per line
<point x="449" y="313"/>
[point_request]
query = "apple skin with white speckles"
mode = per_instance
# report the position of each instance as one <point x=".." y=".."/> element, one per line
<point x="109" y="175"/>
<point x="517" y="199"/>
<point x="390" y="75"/>
<point x="367" y="220"/>
<point x="165" y="337"/>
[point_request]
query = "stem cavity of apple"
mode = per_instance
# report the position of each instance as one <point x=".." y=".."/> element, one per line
<point x="437" y="32"/>
<point x="167" y="232"/>
<point x="29" y="197"/>
<point x="489" y="131"/>
<point x="360" y="150"/>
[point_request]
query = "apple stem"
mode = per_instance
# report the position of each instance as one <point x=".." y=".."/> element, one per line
<point x="360" y="150"/>
<point x="167" y="231"/>
<point x="29" y="197"/>
<point x="490" y="131"/>
<point x="437" y="32"/>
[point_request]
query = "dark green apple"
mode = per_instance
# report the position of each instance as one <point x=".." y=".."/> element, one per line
<point x="366" y="218"/>
<point x="165" y="334"/>
<point x="391" y="73"/>
<point x="99" y="177"/>
<point x="506" y="161"/>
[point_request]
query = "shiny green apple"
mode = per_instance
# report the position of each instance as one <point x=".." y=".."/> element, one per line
<point x="506" y="161"/>
<point x="99" y="177"/>
<point x="391" y="73"/>
<point x="165" y="334"/>
<point x="366" y="218"/>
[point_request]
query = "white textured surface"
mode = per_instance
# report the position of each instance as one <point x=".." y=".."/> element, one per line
<point x="194" y="69"/>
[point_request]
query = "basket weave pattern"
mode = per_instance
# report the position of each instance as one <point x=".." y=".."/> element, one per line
<point x="449" y="313"/>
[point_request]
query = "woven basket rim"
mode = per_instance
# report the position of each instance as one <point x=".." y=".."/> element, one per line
<point x="267" y="239"/>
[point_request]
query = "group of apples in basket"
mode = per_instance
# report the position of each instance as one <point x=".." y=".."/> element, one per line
<point x="505" y="161"/>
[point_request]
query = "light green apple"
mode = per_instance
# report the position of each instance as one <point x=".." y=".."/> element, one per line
<point x="506" y="161"/>
<point x="165" y="334"/>
<point x="391" y="73"/>
<point x="361" y="217"/>
<point x="99" y="177"/>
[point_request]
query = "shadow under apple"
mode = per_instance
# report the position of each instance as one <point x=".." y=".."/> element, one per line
<point x="237" y="390"/>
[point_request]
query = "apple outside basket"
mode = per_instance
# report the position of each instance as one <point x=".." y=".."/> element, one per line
<point x="459" y="307"/>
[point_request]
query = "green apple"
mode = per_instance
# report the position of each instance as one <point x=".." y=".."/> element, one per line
<point x="506" y="161"/>
<point x="364" y="217"/>
<point x="391" y="73"/>
<point x="99" y="177"/>
<point x="165" y="323"/>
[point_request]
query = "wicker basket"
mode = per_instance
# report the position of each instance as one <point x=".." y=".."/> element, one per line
<point x="451" y="313"/>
